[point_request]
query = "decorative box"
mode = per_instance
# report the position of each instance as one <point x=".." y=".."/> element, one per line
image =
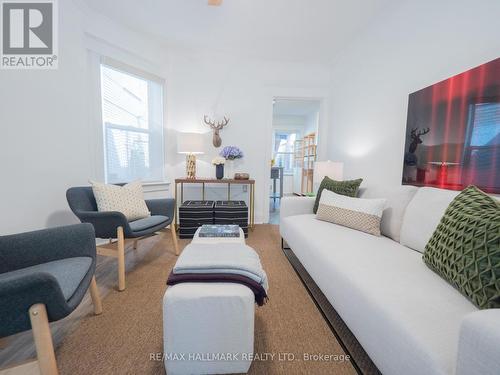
<point x="232" y="212"/>
<point x="193" y="214"/>
<point x="241" y="176"/>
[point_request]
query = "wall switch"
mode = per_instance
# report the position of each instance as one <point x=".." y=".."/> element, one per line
<point x="245" y="188"/>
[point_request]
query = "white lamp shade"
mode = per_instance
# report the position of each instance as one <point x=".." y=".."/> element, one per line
<point x="190" y="143"/>
<point x="332" y="169"/>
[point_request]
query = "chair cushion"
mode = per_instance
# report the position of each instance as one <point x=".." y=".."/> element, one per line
<point x="148" y="222"/>
<point x="68" y="272"/>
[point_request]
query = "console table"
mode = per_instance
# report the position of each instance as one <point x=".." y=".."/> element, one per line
<point x="228" y="182"/>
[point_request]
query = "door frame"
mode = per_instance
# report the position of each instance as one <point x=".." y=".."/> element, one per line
<point x="320" y="94"/>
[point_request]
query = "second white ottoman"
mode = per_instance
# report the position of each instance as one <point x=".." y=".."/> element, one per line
<point x="208" y="328"/>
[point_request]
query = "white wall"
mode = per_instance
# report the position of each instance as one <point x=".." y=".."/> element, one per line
<point x="311" y="124"/>
<point x="50" y="127"/>
<point x="243" y="90"/>
<point x="49" y="137"/>
<point x="412" y="46"/>
<point x="48" y="123"/>
<point x="45" y="143"/>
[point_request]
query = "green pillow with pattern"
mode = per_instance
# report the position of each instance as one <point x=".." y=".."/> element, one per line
<point x="348" y="188"/>
<point x="465" y="247"/>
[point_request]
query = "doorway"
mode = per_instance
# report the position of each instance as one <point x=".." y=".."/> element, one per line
<point x="294" y="142"/>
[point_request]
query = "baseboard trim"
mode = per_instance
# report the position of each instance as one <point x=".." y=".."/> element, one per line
<point x="359" y="358"/>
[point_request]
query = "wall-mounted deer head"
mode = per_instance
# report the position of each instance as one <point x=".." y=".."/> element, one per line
<point x="415" y="138"/>
<point x="217" y="141"/>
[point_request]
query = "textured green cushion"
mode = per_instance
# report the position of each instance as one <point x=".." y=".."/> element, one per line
<point x="465" y="247"/>
<point x="348" y="188"/>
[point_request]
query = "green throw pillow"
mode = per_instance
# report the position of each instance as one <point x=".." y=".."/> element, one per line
<point x="465" y="247"/>
<point x="349" y="188"/>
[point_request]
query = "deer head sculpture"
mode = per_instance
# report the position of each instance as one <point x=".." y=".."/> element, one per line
<point x="415" y="138"/>
<point x="216" y="127"/>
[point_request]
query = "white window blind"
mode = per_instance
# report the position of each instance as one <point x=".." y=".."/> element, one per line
<point x="486" y="126"/>
<point x="284" y="142"/>
<point x="132" y="116"/>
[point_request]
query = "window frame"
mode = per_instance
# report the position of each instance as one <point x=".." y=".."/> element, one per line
<point x="468" y="148"/>
<point x="288" y="132"/>
<point x="148" y="77"/>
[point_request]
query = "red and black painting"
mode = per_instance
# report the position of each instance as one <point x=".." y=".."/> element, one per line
<point x="453" y="132"/>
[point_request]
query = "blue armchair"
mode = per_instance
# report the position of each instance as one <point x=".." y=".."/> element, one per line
<point x="114" y="225"/>
<point x="44" y="276"/>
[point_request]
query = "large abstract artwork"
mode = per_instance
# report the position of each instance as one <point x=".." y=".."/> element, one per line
<point x="453" y="132"/>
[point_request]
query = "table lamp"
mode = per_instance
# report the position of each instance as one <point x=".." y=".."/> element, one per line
<point x="190" y="144"/>
<point x="332" y="169"/>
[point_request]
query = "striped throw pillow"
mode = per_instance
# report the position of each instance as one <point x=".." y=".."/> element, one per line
<point x="356" y="213"/>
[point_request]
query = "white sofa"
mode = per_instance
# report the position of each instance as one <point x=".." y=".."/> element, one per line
<point x="407" y="318"/>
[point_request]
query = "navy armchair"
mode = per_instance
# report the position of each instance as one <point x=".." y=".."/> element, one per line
<point x="114" y="225"/>
<point x="44" y="276"/>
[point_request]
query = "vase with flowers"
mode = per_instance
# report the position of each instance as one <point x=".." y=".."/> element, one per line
<point x="219" y="166"/>
<point x="230" y="154"/>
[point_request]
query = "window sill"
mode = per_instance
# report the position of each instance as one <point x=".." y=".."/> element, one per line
<point x="151" y="187"/>
<point x="156" y="183"/>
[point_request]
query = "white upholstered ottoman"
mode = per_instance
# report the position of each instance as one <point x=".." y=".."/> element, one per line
<point x="208" y="328"/>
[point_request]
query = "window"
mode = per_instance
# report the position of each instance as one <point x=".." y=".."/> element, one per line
<point x="132" y="116"/>
<point x="284" y="150"/>
<point x="484" y="137"/>
<point x="481" y="152"/>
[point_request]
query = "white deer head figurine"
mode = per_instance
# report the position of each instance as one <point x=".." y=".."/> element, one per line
<point x="216" y="140"/>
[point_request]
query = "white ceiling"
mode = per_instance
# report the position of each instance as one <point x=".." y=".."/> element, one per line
<point x="290" y="107"/>
<point x="291" y="30"/>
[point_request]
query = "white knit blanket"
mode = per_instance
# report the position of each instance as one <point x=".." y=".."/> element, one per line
<point x="232" y="258"/>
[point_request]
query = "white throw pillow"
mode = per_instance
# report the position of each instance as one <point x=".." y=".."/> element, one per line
<point x="127" y="199"/>
<point x="356" y="213"/>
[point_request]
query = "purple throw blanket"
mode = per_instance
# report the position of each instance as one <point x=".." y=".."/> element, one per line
<point x="257" y="289"/>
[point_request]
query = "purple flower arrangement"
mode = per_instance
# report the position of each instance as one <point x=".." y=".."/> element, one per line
<point x="231" y="153"/>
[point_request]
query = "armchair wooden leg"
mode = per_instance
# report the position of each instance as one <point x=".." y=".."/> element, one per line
<point x="3" y="342"/>
<point x="121" y="259"/>
<point x="43" y="340"/>
<point x="174" y="238"/>
<point x="96" y="299"/>
<point x="135" y="244"/>
<point x="25" y="368"/>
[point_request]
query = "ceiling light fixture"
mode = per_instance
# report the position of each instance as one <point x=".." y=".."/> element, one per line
<point x="214" y="2"/>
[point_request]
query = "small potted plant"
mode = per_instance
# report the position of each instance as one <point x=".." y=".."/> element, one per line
<point x="219" y="166"/>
